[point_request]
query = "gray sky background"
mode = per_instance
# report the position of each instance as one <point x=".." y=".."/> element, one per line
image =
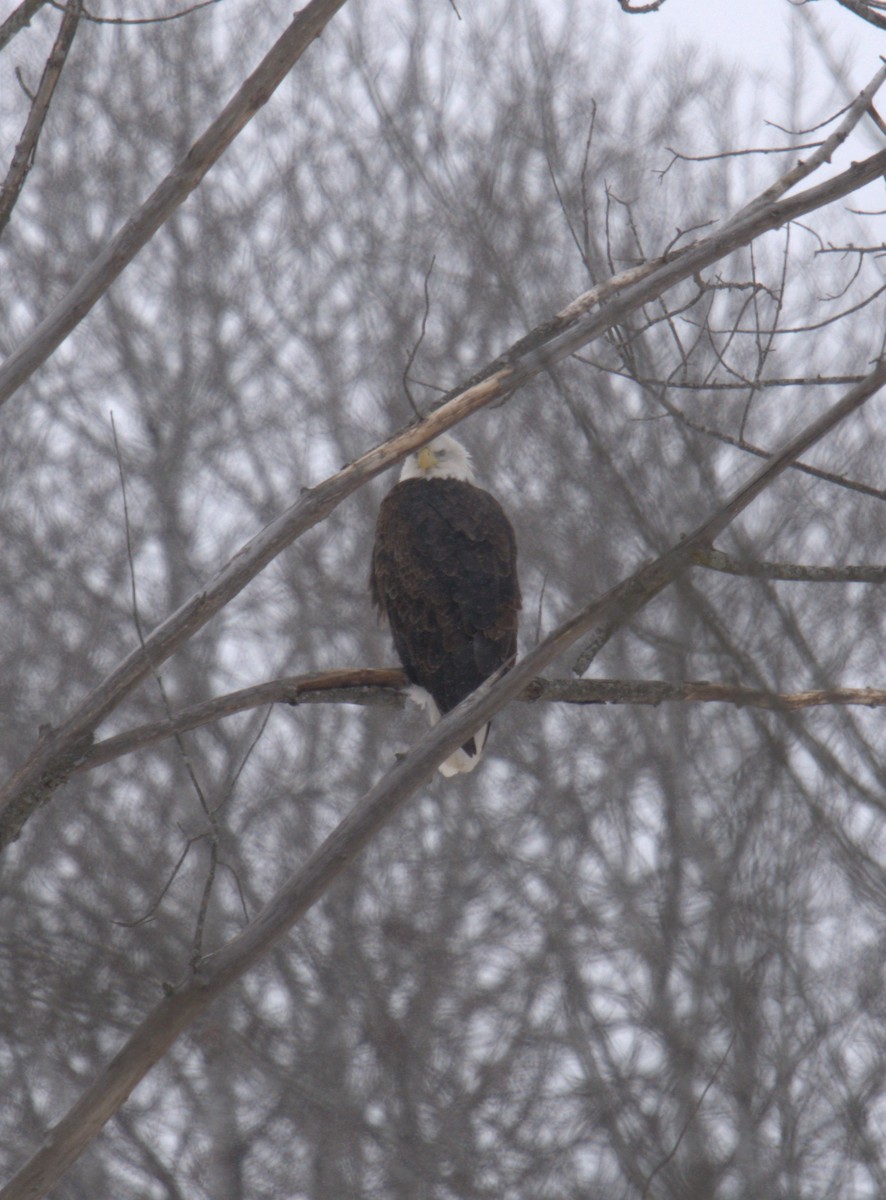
<point x="759" y="33"/>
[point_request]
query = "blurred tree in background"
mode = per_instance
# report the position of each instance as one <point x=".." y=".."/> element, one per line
<point x="639" y="952"/>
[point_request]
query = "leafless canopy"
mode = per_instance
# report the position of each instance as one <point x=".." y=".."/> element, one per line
<point x="252" y="944"/>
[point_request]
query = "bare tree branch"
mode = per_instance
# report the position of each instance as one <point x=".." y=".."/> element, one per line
<point x="680" y="156"/>
<point x="728" y="385"/>
<point x="741" y="443"/>
<point x="762" y="213"/>
<point x="19" y="19"/>
<point x="868" y="10"/>
<point x="208" y="811"/>
<point x="23" y="157"/>
<point x="656" y="576"/>
<point x="385" y="687"/>
<point x="307" y="25"/>
<point x="694" y="691"/>
<point x="187" y="1000"/>
<point x="716" y="560"/>
<point x="182" y="12"/>
<point x="825" y="152"/>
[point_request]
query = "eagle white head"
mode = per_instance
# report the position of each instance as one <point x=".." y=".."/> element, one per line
<point x="443" y="458"/>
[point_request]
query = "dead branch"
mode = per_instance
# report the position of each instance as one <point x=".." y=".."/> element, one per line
<point x="850" y="249"/>
<point x="379" y="686"/>
<point x="681" y="156"/>
<point x="825" y="152"/>
<point x="716" y="560"/>
<point x="182" y="12"/>
<point x="19" y="19"/>
<point x="23" y="156"/>
<point x="873" y="11"/>
<point x="650" y="580"/>
<point x="812" y="327"/>
<point x="385" y="687"/>
<point x="726" y="385"/>
<point x="693" y="691"/>
<point x="740" y="443"/>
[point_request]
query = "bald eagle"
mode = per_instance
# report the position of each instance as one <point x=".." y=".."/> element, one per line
<point x="444" y="574"/>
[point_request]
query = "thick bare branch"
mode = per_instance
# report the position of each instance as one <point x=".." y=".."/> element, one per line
<point x="868" y="10"/>
<point x="385" y="687"/>
<point x="23" y="156"/>
<point x="19" y="19"/>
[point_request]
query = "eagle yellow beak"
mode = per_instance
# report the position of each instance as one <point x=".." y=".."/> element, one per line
<point x="426" y="458"/>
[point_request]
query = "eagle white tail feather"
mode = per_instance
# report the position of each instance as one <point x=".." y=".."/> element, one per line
<point x="460" y="762"/>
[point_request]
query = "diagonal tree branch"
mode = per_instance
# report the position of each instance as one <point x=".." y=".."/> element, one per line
<point x="175" y="188"/>
<point x="19" y="19"/>
<point x="187" y="1000"/>
<point x="23" y="156"/>
<point x="58" y="749"/>
<point x="868" y="10"/>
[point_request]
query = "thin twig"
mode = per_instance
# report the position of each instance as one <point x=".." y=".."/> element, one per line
<point x="152" y="908"/>
<point x="813" y="326"/>
<point x="690" y="1118"/>
<point x="421" y="337"/>
<point x="209" y="813"/>
<point x="729" y="439"/>
<point x="681" y="156"/>
<point x="184" y="12"/>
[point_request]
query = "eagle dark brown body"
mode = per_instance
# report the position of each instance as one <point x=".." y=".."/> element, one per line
<point x="444" y="575"/>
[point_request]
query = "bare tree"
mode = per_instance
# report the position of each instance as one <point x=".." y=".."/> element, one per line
<point x="638" y="953"/>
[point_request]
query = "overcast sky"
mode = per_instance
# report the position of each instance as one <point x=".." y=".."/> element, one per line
<point x="756" y="32"/>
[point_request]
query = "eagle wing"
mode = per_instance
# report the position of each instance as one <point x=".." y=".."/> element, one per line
<point x="444" y="573"/>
